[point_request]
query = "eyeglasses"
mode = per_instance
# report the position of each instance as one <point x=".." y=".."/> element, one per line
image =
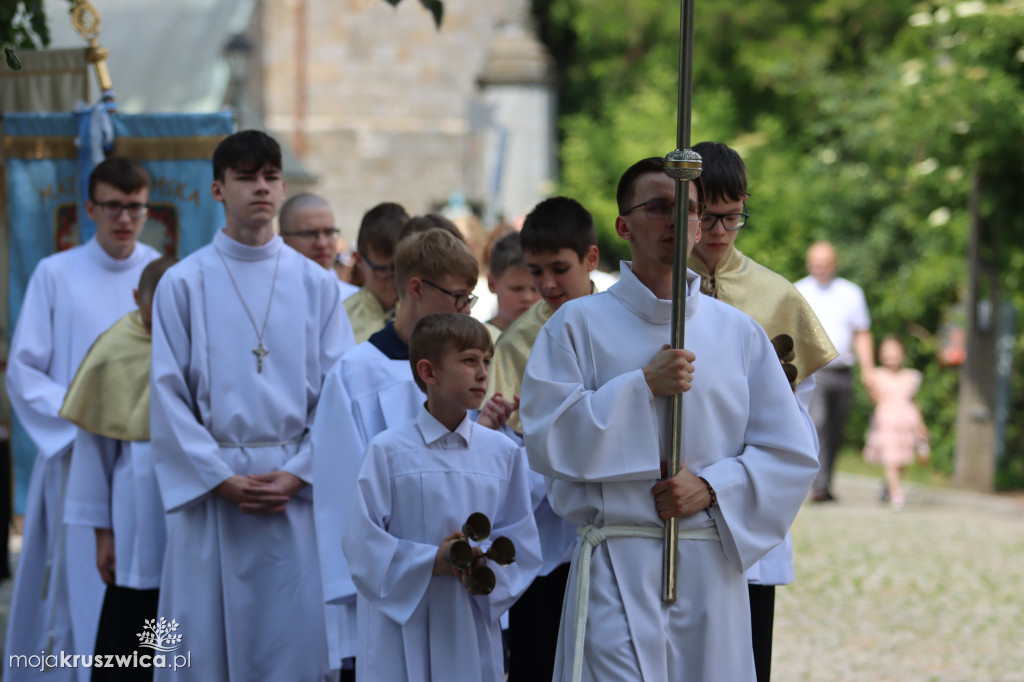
<point x="661" y="209"/>
<point x="326" y="233"/>
<point x="461" y="300"/>
<point x="730" y="221"/>
<point x="381" y="272"/>
<point x="112" y="209"/>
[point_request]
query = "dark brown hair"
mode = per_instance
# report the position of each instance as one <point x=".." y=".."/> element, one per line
<point x="438" y="333"/>
<point x="120" y="173"/>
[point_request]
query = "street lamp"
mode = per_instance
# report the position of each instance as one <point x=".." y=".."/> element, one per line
<point x="238" y="52"/>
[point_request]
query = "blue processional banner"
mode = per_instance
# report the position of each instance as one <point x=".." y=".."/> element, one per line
<point x="45" y="174"/>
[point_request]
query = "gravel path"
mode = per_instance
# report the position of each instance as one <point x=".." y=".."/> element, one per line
<point x="932" y="593"/>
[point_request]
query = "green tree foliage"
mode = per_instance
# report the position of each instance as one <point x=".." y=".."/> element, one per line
<point x="436" y="8"/>
<point x="861" y="122"/>
<point x="22" y="27"/>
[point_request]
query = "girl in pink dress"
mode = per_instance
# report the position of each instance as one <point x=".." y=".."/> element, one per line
<point x="897" y="430"/>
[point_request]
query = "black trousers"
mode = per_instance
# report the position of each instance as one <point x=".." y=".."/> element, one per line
<point x="121" y="619"/>
<point x="762" y="621"/>
<point x="830" y="408"/>
<point x="533" y="628"/>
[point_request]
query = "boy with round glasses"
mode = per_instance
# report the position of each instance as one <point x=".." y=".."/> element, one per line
<point x="72" y="297"/>
<point x="730" y="276"/>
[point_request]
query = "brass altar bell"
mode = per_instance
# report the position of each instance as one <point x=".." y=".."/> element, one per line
<point x="464" y="556"/>
<point x="785" y="349"/>
<point x="477" y="527"/>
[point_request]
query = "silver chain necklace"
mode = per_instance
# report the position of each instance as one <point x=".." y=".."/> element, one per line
<point x="260" y="350"/>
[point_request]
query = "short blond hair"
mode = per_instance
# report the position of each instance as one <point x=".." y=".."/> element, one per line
<point x="432" y="255"/>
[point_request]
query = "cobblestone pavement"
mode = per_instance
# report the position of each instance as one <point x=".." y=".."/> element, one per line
<point x="931" y="593"/>
<point x="934" y="593"/>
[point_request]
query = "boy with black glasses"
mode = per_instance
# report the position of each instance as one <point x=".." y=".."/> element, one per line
<point x="775" y="304"/>
<point x="373" y="306"/>
<point x="72" y="297"/>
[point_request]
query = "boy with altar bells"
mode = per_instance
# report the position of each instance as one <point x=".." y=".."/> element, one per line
<point x="418" y="617"/>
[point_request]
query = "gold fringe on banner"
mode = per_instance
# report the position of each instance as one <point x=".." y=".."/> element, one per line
<point x="40" y="147"/>
<point x="138" y="148"/>
<point x="167" y="148"/>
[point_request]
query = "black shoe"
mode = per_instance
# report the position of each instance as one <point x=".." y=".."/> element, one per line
<point x="823" y="496"/>
<point x="884" y="496"/>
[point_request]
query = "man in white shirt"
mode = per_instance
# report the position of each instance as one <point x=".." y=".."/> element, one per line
<point x="72" y="297"/>
<point x="843" y="312"/>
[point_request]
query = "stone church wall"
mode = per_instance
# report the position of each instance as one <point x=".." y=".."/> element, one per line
<point x="385" y="113"/>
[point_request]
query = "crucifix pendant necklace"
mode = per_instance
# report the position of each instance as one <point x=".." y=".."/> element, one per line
<point x="260" y="351"/>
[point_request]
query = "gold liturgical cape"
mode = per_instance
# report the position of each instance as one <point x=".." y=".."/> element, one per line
<point x="109" y="395"/>
<point x="366" y="314"/>
<point x="511" y="353"/>
<point x="772" y="301"/>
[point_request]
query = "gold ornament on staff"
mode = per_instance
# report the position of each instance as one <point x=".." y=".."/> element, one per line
<point x="682" y="164"/>
<point x="86" y="22"/>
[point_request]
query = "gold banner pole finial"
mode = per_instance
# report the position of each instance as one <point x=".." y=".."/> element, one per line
<point x="682" y="164"/>
<point x="86" y="22"/>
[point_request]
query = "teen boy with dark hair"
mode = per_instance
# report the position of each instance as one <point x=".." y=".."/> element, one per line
<point x="418" y="483"/>
<point x="560" y="248"/>
<point x="736" y="279"/>
<point x="244" y="331"/>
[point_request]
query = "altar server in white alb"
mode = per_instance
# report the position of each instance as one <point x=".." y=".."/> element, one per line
<point x="72" y="298"/>
<point x="112" y="488"/>
<point x="419" y="616"/>
<point x="244" y="330"/>
<point x="372" y="389"/>
<point x="595" y="412"/>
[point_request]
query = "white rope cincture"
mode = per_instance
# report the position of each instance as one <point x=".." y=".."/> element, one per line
<point x="270" y="444"/>
<point x="592" y="536"/>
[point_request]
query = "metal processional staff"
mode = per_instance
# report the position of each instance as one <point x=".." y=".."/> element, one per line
<point x="682" y="164"/>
